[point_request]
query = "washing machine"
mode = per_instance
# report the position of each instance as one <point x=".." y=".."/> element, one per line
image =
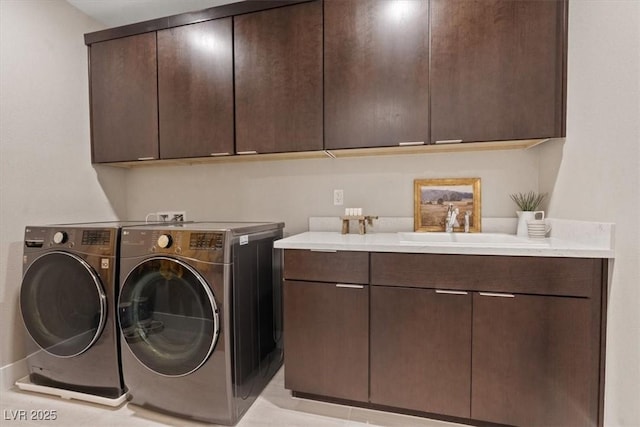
<point x="200" y="315"/>
<point x="67" y="299"/>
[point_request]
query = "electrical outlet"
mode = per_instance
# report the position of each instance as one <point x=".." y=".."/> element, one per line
<point x="180" y="216"/>
<point x="172" y="216"/>
<point x="338" y="197"/>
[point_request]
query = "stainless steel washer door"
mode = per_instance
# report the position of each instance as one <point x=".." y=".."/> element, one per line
<point x="63" y="304"/>
<point x="168" y="316"/>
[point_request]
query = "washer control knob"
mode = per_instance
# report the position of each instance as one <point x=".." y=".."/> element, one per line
<point x="164" y="241"/>
<point x="59" y="237"/>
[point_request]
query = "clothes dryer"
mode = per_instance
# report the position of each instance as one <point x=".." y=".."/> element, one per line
<point x="200" y="315"/>
<point x="67" y="300"/>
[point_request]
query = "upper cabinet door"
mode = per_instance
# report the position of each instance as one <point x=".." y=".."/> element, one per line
<point x="195" y="89"/>
<point x="278" y="79"/>
<point x="497" y="69"/>
<point x="376" y="72"/>
<point x="124" y="101"/>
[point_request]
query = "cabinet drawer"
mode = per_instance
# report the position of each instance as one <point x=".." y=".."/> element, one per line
<point x="530" y="275"/>
<point x="347" y="267"/>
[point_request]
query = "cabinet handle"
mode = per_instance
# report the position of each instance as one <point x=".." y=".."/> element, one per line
<point x="330" y="251"/>
<point x="146" y="158"/>
<point x="343" y="285"/>
<point x="448" y="141"/>
<point x="441" y="291"/>
<point x="492" y="294"/>
<point x="247" y="152"/>
<point x="404" y="144"/>
<point x="219" y="154"/>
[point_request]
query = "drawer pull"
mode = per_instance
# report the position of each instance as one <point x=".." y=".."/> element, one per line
<point x="343" y="285"/>
<point x="247" y="152"/>
<point x="441" y="291"/>
<point x="410" y="143"/>
<point x="448" y="141"/>
<point x="492" y="294"/>
<point x="220" y="154"/>
<point x="328" y="251"/>
<point x="146" y="158"/>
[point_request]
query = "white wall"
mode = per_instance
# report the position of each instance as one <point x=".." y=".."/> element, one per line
<point x="46" y="174"/>
<point x="595" y="174"/>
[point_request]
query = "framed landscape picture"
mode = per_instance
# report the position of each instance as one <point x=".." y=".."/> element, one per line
<point x="433" y="197"/>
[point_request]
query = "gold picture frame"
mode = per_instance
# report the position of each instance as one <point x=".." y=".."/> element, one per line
<point x="432" y="198"/>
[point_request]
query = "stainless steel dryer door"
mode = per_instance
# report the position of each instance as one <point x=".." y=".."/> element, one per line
<point x="168" y="316"/>
<point x="63" y="304"/>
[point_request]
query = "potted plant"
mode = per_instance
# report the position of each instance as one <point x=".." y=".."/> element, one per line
<point x="528" y="204"/>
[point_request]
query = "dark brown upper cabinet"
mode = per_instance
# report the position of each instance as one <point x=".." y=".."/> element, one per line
<point x="195" y="89"/>
<point x="278" y="79"/>
<point x="497" y="69"/>
<point x="376" y="73"/>
<point x="124" y="99"/>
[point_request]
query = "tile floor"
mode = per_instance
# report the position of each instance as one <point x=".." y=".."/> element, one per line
<point x="275" y="407"/>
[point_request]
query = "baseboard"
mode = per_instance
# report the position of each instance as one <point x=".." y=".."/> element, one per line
<point x="11" y="373"/>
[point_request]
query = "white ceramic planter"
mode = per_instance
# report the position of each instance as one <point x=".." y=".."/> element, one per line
<point x="523" y="218"/>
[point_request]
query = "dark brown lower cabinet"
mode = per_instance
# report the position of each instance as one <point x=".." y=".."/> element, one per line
<point x="421" y="349"/>
<point x="514" y="341"/>
<point x="326" y="347"/>
<point x="533" y="360"/>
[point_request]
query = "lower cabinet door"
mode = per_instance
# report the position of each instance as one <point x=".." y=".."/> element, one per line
<point x="421" y="349"/>
<point x="326" y="344"/>
<point x="533" y="362"/>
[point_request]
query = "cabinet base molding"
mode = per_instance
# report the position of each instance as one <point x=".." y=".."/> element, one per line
<point x="402" y="411"/>
<point x="522" y="144"/>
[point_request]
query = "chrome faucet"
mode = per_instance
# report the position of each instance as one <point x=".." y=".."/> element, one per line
<point x="452" y="221"/>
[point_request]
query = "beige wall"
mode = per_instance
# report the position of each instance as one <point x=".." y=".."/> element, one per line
<point x="593" y="175"/>
<point x="45" y="174"/>
<point x="293" y="190"/>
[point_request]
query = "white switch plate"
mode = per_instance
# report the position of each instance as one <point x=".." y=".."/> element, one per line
<point x="338" y="197"/>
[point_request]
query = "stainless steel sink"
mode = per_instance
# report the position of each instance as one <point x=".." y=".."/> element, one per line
<point x="468" y="239"/>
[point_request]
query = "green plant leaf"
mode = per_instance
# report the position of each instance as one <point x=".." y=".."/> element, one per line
<point x="528" y="201"/>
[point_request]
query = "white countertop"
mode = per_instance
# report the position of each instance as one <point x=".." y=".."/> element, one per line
<point x="582" y="247"/>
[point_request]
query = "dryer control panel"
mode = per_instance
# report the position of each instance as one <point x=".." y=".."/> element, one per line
<point x="208" y="246"/>
<point x="206" y="240"/>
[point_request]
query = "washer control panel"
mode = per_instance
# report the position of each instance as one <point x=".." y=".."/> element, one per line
<point x="98" y="241"/>
<point x="96" y="237"/>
